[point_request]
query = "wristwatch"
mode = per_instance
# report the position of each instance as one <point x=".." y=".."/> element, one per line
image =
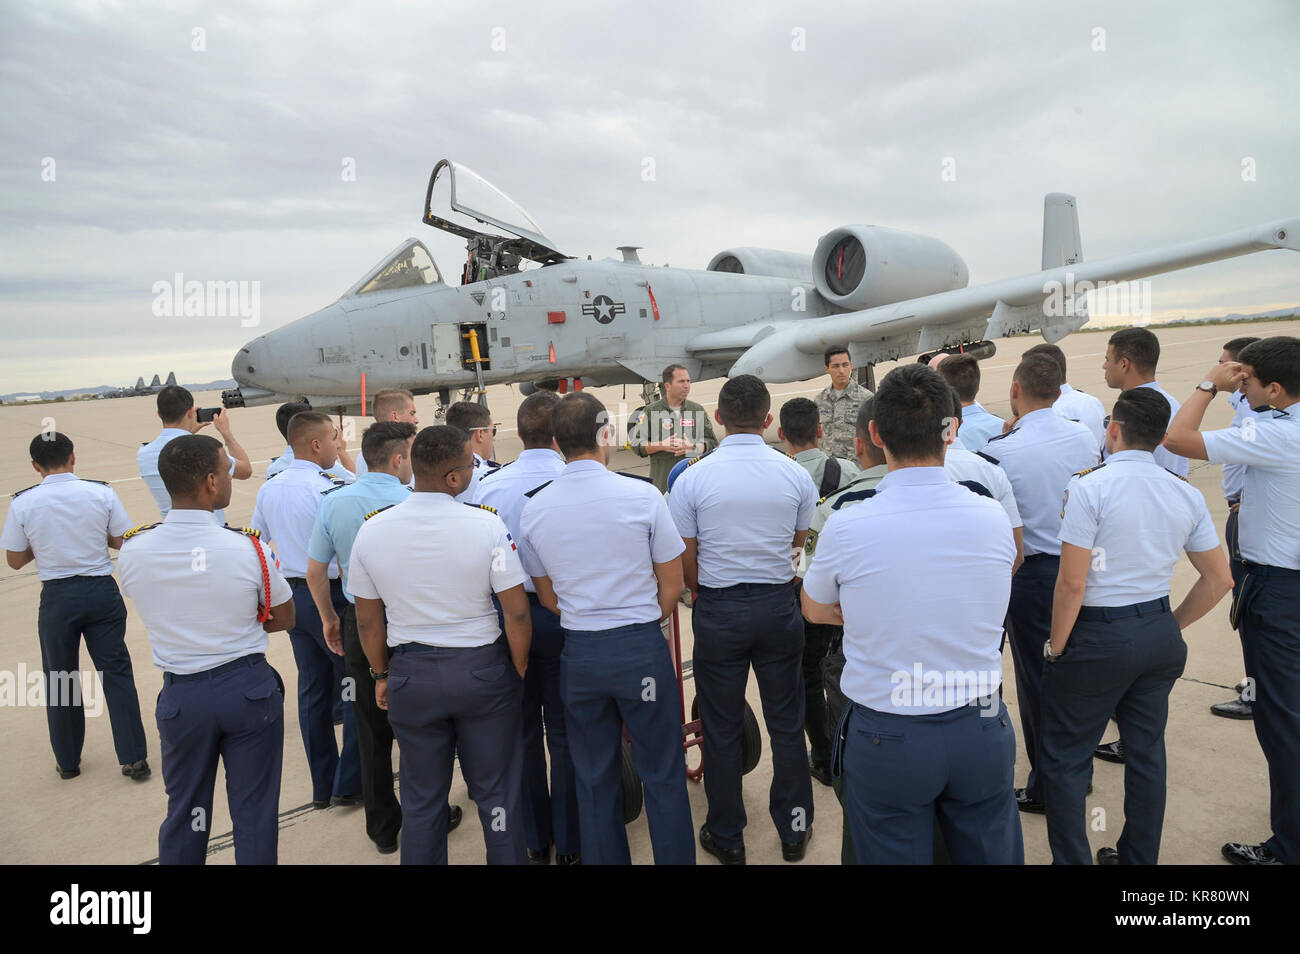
<point x="1049" y="655"/>
<point x="378" y="675"/>
<point x="1208" y="387"/>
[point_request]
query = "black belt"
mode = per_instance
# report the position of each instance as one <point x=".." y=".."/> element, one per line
<point x="1264" y="570"/>
<point x="300" y="581"/>
<point x="748" y="587"/>
<point x="1149" y="608"/>
<point x="1042" y="556"/>
<point x="251" y="659"/>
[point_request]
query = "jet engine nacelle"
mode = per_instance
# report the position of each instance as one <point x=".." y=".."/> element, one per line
<point x="763" y="261"/>
<point x="862" y="266"/>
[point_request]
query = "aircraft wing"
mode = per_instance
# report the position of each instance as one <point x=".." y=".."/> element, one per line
<point x="792" y="350"/>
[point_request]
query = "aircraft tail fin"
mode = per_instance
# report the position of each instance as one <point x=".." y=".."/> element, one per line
<point x="155" y="383"/>
<point x="1061" y="245"/>
<point x="171" y="379"/>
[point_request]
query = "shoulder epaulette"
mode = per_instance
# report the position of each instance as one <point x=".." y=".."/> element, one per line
<point x="976" y="487"/>
<point x="495" y="465"/>
<point x="275" y="475"/>
<point x="480" y="506"/>
<point x="25" y="489"/>
<point x="332" y="489"/>
<point x="89" y="481"/>
<point x="998" y="437"/>
<point x="135" y="531"/>
<point x="851" y="496"/>
<point x="991" y="460"/>
<point x="537" y="490"/>
<point x="1179" y="476"/>
<point x="380" y="510"/>
<point x="246" y="531"/>
<point x="1084" y="473"/>
<point x="823" y="500"/>
<point x="635" y="476"/>
<point x="338" y="481"/>
<point x="695" y="460"/>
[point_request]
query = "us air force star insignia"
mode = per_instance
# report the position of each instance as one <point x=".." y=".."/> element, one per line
<point x="604" y="309"/>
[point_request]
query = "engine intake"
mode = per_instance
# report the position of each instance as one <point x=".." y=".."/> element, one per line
<point x="862" y="266"/>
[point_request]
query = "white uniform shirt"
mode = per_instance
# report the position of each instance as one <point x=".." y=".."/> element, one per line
<point x="197" y="587"/>
<point x="1234" y="475"/>
<point x="1087" y="410"/>
<point x="743" y="503"/>
<point x="435" y="563"/>
<point x="1039" y="456"/>
<point x="481" y="469"/>
<point x="1136" y="519"/>
<point x="67" y="522"/>
<point x="922" y="573"/>
<point x="503" y="490"/>
<point x="285" y="513"/>
<point x="977" y="426"/>
<point x="280" y="463"/>
<point x="1269" y="519"/>
<point x="1166" y="459"/>
<point x="962" y="465"/>
<point x="146" y="459"/>
<point x="596" y="534"/>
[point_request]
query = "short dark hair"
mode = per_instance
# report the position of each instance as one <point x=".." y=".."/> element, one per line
<point x="956" y="403"/>
<point x="50" y="449"/>
<point x="1039" y="377"/>
<point x="963" y="372"/>
<point x="577" y="420"/>
<point x="437" y="449"/>
<point x="1140" y="346"/>
<point x="390" y="399"/>
<point x="381" y="439"/>
<point x="862" y="427"/>
<point x="534" y="419"/>
<point x="186" y="462"/>
<point x="468" y="415"/>
<point x="304" y="422"/>
<point x="1275" y="360"/>
<point x="284" y="414"/>
<point x="1055" y="353"/>
<point x="910" y="408"/>
<point x="173" y="403"/>
<point x="799" y="420"/>
<point x="670" y="372"/>
<point x="744" y="402"/>
<point x="1143" y="417"/>
<point x="1234" y="346"/>
<point x="832" y="352"/>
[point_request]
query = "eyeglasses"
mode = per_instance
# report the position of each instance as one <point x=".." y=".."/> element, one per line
<point x="484" y="428"/>
<point x="454" y="469"/>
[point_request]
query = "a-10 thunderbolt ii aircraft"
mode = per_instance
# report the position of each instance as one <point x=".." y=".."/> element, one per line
<point x="526" y="313"/>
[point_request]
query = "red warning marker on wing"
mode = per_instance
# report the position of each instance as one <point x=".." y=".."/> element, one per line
<point x="552" y="352"/>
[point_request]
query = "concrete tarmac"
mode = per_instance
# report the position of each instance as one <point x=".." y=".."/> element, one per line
<point x="1218" y="781"/>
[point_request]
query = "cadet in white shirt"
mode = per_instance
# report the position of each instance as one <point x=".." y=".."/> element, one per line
<point x="550" y="812"/>
<point x="1131" y="358"/>
<point x="603" y="553"/>
<point x="423" y="573"/>
<point x="978" y="425"/>
<point x="1075" y="405"/>
<point x="1115" y="646"/>
<point x="475" y="420"/>
<point x="283" y="415"/>
<point x="1234" y="479"/>
<point x="284" y="515"/>
<point x="926" y="735"/>
<point x="391" y="404"/>
<point x="1267" y="607"/>
<point x="742" y="512"/>
<point x="208" y="596"/>
<point x="179" y="417"/>
<point x="978" y="473"/>
<point x="1039" y="455"/>
<point x="67" y="525"/>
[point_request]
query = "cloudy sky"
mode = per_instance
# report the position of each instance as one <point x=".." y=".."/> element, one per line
<point x="140" y="140"/>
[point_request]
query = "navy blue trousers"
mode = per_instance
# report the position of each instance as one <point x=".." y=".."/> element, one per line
<point x="609" y="678"/>
<point x="902" y="773"/>
<point x="736" y="627"/>
<point x="443" y="702"/>
<point x="234" y="713"/>
<point x="88" y="607"/>
<point x="1269" y="617"/>
<point x="1030" y="613"/>
<point x="550" y="813"/>
<point x="1127" y="667"/>
<point x="320" y="678"/>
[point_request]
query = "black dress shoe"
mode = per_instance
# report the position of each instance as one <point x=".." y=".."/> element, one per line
<point x="320" y="803"/>
<point x="67" y="773"/>
<point x="573" y="859"/>
<point x="820" y="771"/>
<point x="344" y="801"/>
<point x="1111" y="751"/>
<point x="1236" y="709"/>
<point x="1107" y="856"/>
<point x="454" y="815"/>
<point x="728" y="856"/>
<point x="138" y="771"/>
<point x="542" y="857"/>
<point x="1249" y="854"/>
<point x="386" y="849"/>
<point x="794" y="851"/>
<point x="1027" y="804"/>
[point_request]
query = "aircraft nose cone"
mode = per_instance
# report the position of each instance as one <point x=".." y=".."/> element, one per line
<point x="253" y="363"/>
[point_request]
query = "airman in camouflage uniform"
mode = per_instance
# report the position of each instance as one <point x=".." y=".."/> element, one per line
<point x="838" y="404"/>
